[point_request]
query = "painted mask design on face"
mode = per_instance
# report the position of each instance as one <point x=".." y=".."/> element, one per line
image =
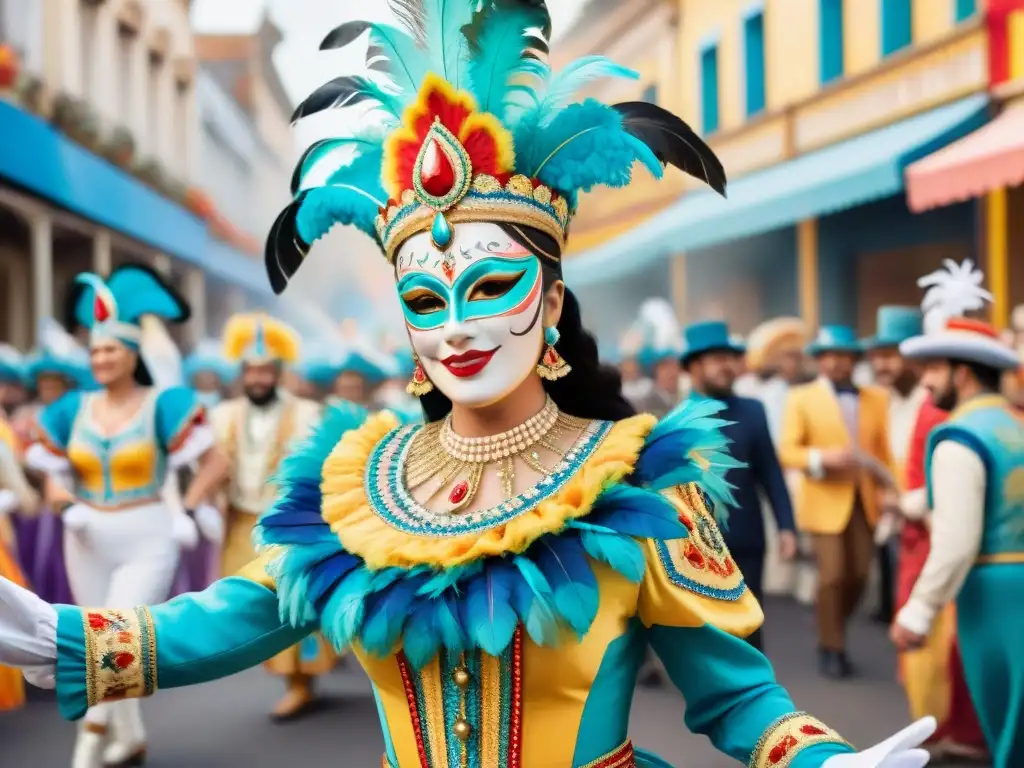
<point x="473" y="312"/>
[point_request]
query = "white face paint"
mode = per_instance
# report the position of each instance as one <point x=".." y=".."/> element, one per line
<point x="474" y="312"/>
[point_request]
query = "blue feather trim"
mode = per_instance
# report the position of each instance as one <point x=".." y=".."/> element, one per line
<point x="550" y="588"/>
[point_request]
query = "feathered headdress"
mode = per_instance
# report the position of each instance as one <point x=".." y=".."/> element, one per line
<point x="256" y="338"/>
<point x="114" y="308"/>
<point x="476" y="127"/>
<point x="952" y="292"/>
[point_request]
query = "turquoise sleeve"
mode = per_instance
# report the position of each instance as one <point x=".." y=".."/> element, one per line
<point x="177" y="410"/>
<point x="194" y="638"/>
<point x="730" y="691"/>
<point x="56" y="421"/>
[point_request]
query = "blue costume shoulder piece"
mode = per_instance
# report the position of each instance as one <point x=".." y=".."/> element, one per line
<point x="177" y="410"/>
<point x="56" y="422"/>
<point x="549" y="587"/>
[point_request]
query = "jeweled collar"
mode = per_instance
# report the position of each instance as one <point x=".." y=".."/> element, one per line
<point x="367" y="507"/>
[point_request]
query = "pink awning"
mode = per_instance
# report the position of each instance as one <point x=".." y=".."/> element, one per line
<point x="990" y="158"/>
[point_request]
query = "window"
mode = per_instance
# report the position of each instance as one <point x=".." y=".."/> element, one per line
<point x="830" y="20"/>
<point x="125" y="74"/>
<point x="650" y="94"/>
<point x="154" y="90"/>
<point x="87" y="48"/>
<point x="964" y="9"/>
<point x="709" y="87"/>
<point x="753" y="46"/>
<point x="897" y="27"/>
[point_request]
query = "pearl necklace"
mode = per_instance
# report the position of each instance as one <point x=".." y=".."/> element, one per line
<point x="486" y="450"/>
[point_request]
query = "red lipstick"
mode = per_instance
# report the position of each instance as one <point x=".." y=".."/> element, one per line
<point x="468" y="363"/>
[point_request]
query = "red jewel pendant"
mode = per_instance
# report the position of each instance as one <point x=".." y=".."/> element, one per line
<point x="100" y="311"/>
<point x="436" y="172"/>
<point x="419" y="375"/>
<point x="459" y="493"/>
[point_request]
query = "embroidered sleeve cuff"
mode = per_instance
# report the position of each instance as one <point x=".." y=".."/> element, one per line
<point x="917" y="616"/>
<point x="196" y="441"/>
<point x="814" y="466"/>
<point x="103" y="655"/>
<point x="44" y="458"/>
<point x="787" y="738"/>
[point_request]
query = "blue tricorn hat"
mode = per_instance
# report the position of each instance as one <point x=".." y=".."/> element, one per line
<point x="709" y="336"/>
<point x="894" y="326"/>
<point x="835" y="338"/>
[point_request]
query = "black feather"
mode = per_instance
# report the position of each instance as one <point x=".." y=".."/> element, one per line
<point x="413" y="16"/>
<point x="297" y="173"/>
<point x="673" y="142"/>
<point x="346" y="90"/>
<point x="377" y="60"/>
<point x="285" y="250"/>
<point x="347" y="33"/>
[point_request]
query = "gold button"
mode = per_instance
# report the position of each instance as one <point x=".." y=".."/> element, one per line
<point x="463" y="729"/>
<point x="461" y="677"/>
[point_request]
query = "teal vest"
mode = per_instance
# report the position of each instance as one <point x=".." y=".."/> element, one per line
<point x="989" y="427"/>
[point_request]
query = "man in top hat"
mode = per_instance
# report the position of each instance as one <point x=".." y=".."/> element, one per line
<point x="838" y="436"/>
<point x="710" y="358"/>
<point x="256" y="431"/>
<point x="974" y="473"/>
<point x="906" y="399"/>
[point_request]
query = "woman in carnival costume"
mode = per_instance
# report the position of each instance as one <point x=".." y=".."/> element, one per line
<point x="117" y="446"/>
<point x="500" y="570"/>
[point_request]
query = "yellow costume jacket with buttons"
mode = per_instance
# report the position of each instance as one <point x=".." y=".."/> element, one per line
<point x="506" y="638"/>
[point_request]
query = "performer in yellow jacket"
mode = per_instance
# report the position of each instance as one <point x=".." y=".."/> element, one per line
<point x="499" y="570"/>
<point x="838" y="436"/>
<point x="256" y="431"/>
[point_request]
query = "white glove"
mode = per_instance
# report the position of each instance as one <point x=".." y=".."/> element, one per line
<point x="899" y="751"/>
<point x="184" y="531"/>
<point x="76" y="517"/>
<point x="210" y="522"/>
<point x="8" y="501"/>
<point x="28" y="634"/>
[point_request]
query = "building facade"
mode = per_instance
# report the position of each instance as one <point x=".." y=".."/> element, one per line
<point x="816" y="108"/>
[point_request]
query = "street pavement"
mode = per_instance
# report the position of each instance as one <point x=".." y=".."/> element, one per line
<point x="224" y="724"/>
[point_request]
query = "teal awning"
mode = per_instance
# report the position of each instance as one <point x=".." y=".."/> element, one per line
<point x="847" y="174"/>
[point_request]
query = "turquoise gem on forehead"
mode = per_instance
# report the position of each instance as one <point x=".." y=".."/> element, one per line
<point x="441" y="232"/>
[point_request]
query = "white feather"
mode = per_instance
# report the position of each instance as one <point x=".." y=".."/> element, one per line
<point x="658" y="325"/>
<point x="10" y="355"/>
<point x="160" y="354"/>
<point x="952" y="292"/>
<point x="58" y="342"/>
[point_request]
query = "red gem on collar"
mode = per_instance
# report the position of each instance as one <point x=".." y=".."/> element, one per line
<point x="458" y="494"/>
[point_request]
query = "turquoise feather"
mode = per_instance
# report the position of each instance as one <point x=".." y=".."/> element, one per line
<point x="487" y="609"/>
<point x="386" y="614"/>
<point x="343" y="614"/>
<point x="619" y="552"/>
<point x="443" y="36"/>
<point x="564" y="563"/>
<point x="448" y="578"/>
<point x="421" y="638"/>
<point x="534" y="601"/>
<point x="558" y="93"/>
<point x="407" y="64"/>
<point x="498" y="56"/>
<point x="446" y="619"/>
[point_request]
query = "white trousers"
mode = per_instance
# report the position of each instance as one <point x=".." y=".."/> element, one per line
<point x="121" y="559"/>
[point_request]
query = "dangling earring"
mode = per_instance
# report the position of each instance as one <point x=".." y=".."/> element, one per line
<point x="420" y="385"/>
<point x="552" y="366"/>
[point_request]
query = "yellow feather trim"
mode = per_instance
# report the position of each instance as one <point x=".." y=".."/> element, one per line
<point x="281" y="341"/>
<point x="363" y="533"/>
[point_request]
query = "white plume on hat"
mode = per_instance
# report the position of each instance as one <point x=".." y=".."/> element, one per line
<point x="658" y="325"/>
<point x="952" y="292"/>
<point x="59" y="343"/>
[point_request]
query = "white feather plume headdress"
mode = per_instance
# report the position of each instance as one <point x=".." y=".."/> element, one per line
<point x="952" y="292"/>
<point x="658" y="326"/>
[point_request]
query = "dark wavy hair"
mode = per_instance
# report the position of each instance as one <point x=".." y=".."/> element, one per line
<point x="591" y="390"/>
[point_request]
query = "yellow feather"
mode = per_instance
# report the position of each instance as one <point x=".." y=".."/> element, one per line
<point x="240" y="333"/>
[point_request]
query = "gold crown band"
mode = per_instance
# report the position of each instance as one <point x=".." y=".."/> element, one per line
<point x="516" y="202"/>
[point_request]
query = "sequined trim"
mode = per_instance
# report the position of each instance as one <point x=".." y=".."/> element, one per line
<point x="391" y="501"/>
<point x="787" y="736"/>
<point x="120" y="654"/>
<point x="621" y="757"/>
<point x="515" y="713"/>
<point x="701" y="562"/>
<point x="414" y="715"/>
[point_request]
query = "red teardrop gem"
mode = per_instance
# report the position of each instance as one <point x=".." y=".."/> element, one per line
<point x="436" y="172"/>
<point x="812" y="730"/>
<point x="99" y="310"/>
<point x="419" y="376"/>
<point x="458" y="494"/>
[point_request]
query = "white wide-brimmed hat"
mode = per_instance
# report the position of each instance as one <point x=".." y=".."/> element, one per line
<point x="952" y="292"/>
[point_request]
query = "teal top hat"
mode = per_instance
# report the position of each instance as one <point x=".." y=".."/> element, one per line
<point x="709" y="336"/>
<point x="894" y="326"/>
<point x="835" y="338"/>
